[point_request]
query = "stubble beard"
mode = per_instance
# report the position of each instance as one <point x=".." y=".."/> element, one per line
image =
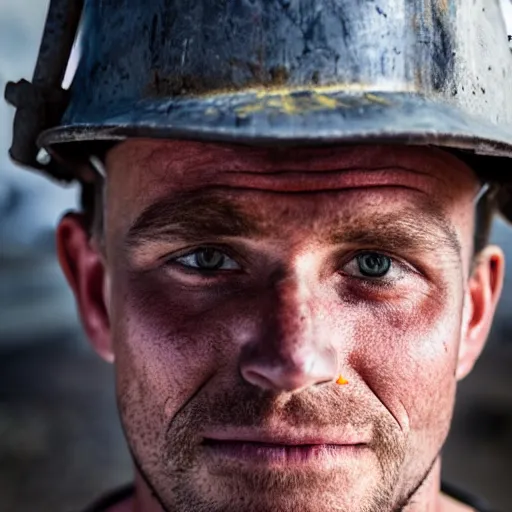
<point x="177" y="479"/>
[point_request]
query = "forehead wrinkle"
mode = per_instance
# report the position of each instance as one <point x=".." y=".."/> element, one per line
<point x="172" y="156"/>
<point x="176" y="166"/>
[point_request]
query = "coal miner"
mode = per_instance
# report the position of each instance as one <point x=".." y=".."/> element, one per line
<point x="283" y="241"/>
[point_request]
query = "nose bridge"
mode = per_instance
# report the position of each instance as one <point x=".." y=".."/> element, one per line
<point x="293" y="319"/>
<point x="290" y="352"/>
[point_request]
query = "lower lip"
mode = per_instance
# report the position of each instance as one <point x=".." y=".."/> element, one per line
<point x="286" y="455"/>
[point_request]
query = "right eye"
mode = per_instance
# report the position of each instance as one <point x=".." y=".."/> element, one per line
<point x="375" y="268"/>
<point x="207" y="259"/>
<point x="373" y="264"/>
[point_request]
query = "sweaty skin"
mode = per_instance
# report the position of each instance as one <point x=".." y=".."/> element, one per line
<point x="224" y="375"/>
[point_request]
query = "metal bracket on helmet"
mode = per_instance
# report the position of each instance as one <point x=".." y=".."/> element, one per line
<point x="41" y="103"/>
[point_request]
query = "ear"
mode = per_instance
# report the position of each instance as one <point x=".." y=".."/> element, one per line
<point x="483" y="293"/>
<point x="84" y="268"/>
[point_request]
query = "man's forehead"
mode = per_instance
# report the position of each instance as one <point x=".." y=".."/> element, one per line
<point x="142" y="172"/>
<point x="186" y="158"/>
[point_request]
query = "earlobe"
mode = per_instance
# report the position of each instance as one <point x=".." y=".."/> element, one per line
<point x="83" y="266"/>
<point x="483" y="293"/>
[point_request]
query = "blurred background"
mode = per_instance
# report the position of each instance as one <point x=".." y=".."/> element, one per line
<point x="60" y="439"/>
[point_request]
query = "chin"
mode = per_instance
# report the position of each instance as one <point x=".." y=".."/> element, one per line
<point x="284" y="491"/>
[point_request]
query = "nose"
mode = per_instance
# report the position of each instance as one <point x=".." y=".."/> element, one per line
<point x="292" y="351"/>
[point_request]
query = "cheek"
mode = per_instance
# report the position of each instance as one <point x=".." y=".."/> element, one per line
<point x="169" y="343"/>
<point x="407" y="357"/>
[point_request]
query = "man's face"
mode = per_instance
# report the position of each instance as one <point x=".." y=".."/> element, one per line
<point x="241" y="284"/>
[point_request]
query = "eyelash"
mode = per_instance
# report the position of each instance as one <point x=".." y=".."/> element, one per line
<point x="225" y="251"/>
<point x="379" y="282"/>
<point x="365" y="281"/>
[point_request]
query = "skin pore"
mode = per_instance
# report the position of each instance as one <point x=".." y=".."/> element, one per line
<point x="234" y="285"/>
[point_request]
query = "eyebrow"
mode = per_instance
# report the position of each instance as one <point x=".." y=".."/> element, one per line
<point x="192" y="215"/>
<point x="401" y="230"/>
<point x="203" y="214"/>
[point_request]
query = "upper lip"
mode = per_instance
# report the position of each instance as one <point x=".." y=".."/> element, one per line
<point x="286" y="438"/>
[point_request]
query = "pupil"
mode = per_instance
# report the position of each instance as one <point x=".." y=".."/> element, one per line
<point x="209" y="259"/>
<point x="373" y="265"/>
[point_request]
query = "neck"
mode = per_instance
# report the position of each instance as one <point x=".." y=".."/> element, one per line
<point x="145" y="500"/>
<point x="427" y="497"/>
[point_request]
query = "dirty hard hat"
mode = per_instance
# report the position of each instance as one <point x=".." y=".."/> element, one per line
<point x="272" y="72"/>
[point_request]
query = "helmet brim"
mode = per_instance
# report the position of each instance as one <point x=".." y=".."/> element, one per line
<point x="293" y="118"/>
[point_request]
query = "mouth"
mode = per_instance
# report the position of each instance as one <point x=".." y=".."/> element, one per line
<point x="319" y="453"/>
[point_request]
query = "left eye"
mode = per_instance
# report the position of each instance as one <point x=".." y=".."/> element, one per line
<point x="208" y="259"/>
<point x="373" y="265"/>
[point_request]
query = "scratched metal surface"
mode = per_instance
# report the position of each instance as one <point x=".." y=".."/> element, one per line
<point x="299" y="70"/>
<point x="190" y="48"/>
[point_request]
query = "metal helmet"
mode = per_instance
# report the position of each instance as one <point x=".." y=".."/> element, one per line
<point x="272" y="72"/>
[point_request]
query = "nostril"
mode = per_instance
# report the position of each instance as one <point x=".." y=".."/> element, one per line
<point x="276" y="380"/>
<point x="257" y="379"/>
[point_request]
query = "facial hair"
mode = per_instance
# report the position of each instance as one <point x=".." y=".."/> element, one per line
<point x="174" y="481"/>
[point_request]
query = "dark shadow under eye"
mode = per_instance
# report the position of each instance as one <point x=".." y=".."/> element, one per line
<point x="373" y="264"/>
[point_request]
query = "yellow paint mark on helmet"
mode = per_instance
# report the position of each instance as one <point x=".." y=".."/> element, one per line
<point x="289" y="105"/>
<point x="327" y="101"/>
<point x="376" y="99"/>
<point x="250" y="109"/>
<point x="300" y="101"/>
